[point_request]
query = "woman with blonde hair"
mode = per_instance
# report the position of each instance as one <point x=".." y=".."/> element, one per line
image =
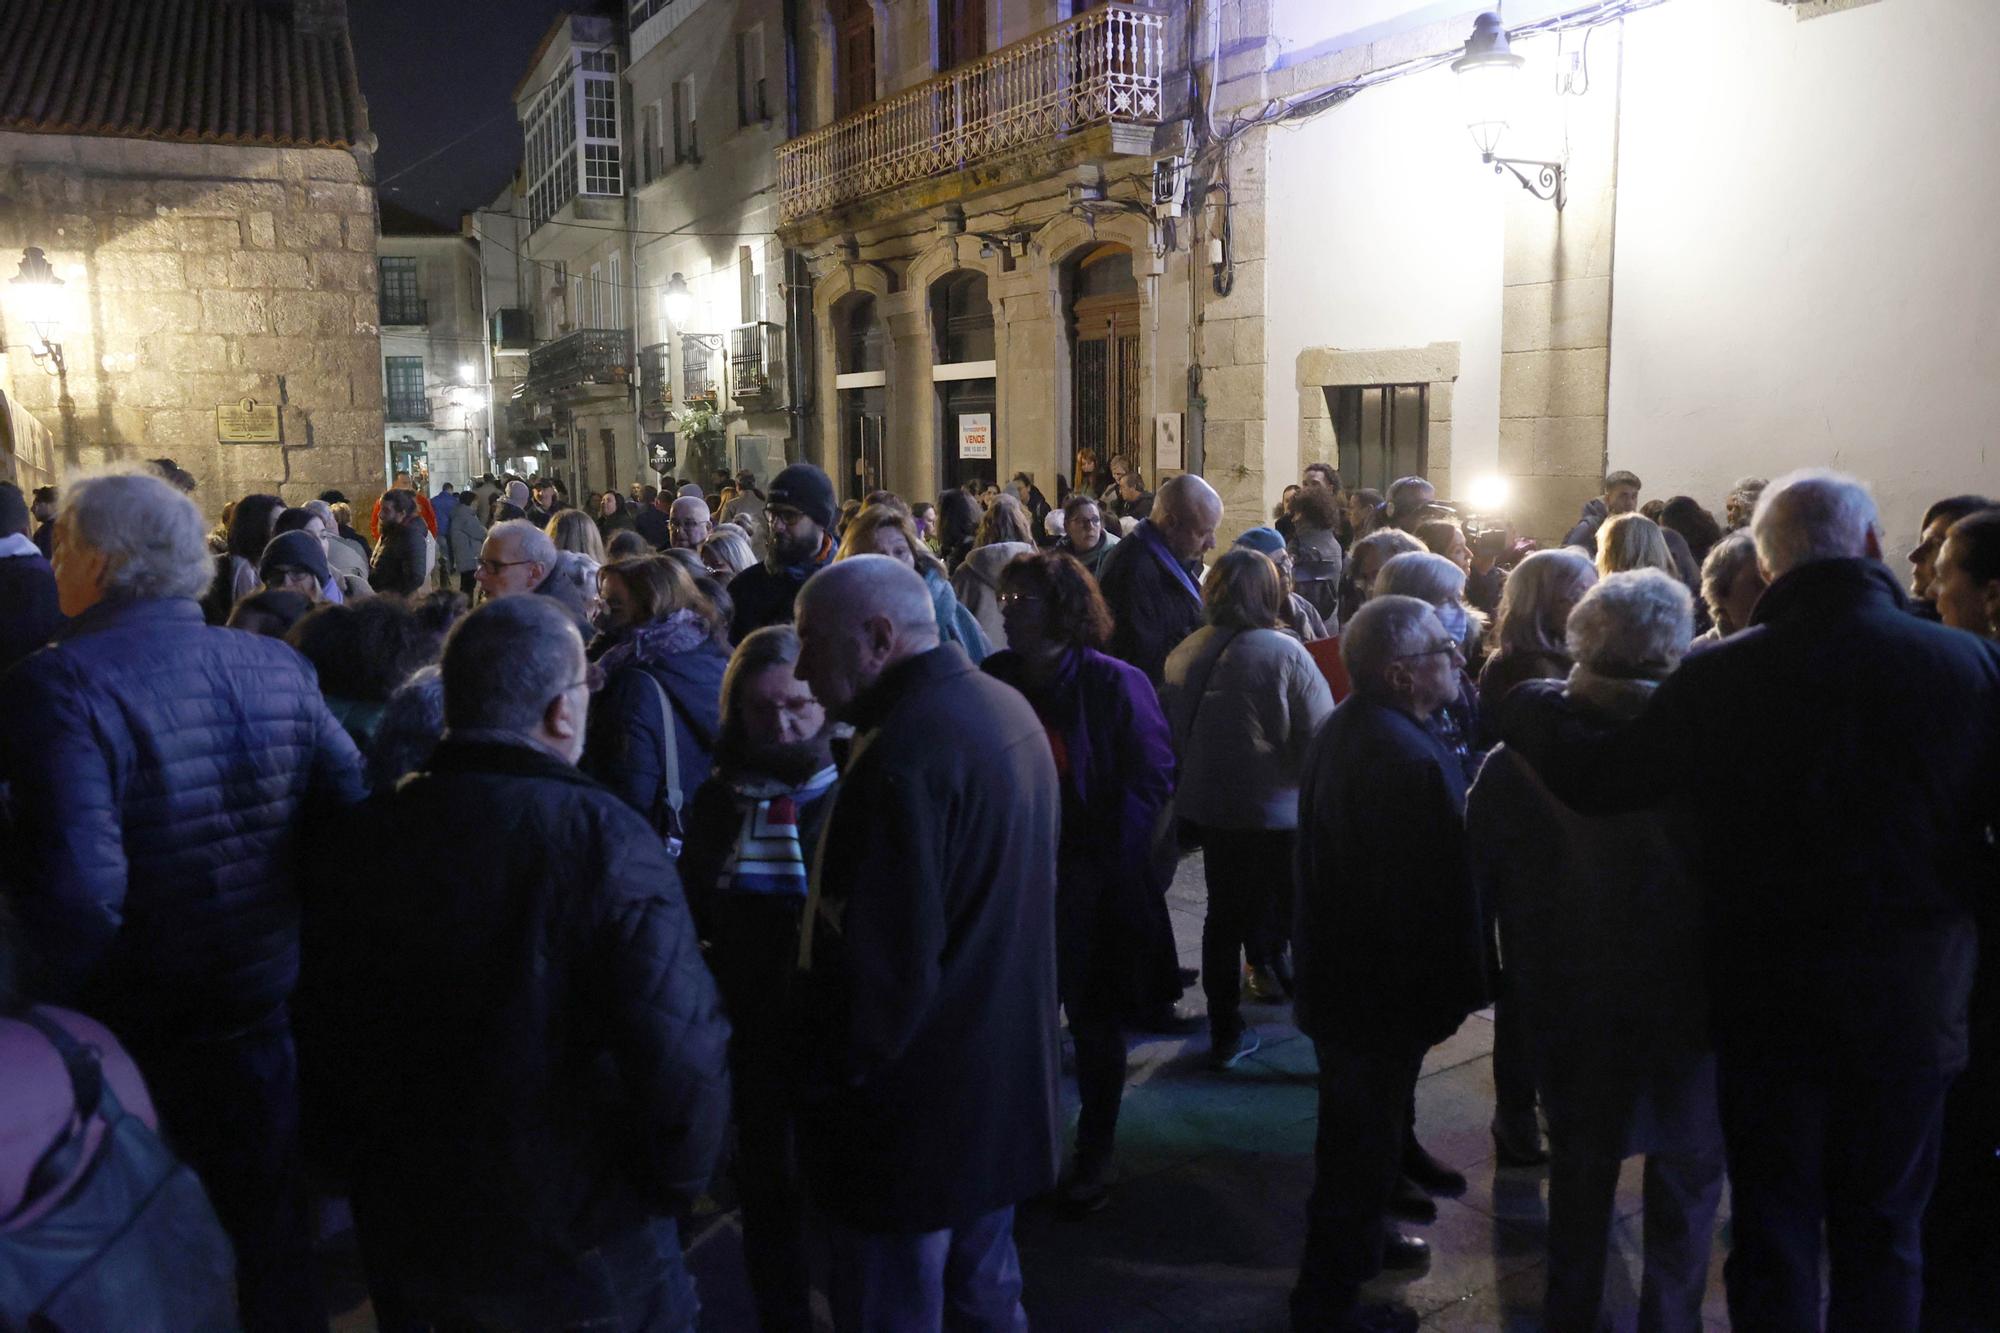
<point x="1525" y="641"/>
<point x="1005" y="532"/>
<point x="1632" y="541"/>
<point x="1243" y="698"/>
<point x="727" y="553"/>
<point x="885" y="530"/>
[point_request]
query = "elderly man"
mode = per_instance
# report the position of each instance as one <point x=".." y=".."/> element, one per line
<point x="1600" y="924"/>
<point x="1152" y="580"/>
<point x="930" y="963"/>
<point x="518" y="557"/>
<point x="159" y="773"/>
<point x="1389" y="942"/>
<point x="1840" y="868"/>
<point x="800" y="511"/>
<point x="689" y="523"/>
<point x="527" y="1067"/>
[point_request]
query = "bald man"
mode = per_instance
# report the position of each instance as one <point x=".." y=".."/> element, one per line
<point x="928" y="960"/>
<point x="689" y="523"/>
<point x="1152" y="581"/>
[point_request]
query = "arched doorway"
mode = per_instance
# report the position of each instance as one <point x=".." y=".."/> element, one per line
<point x="861" y="382"/>
<point x="963" y="372"/>
<point x="1103" y="308"/>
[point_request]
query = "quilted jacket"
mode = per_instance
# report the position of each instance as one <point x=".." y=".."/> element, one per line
<point x="157" y="772"/>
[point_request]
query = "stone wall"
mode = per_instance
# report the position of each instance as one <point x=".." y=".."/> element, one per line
<point x="200" y="275"/>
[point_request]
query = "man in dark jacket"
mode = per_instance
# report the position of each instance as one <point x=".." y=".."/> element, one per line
<point x="159" y="773"/>
<point x="28" y="610"/>
<point x="1846" y="846"/>
<point x="526" y="1067"/>
<point x="750" y="830"/>
<point x="399" y="561"/>
<point x="1152" y="580"/>
<point x="800" y="511"/>
<point x="654" y="521"/>
<point x="930" y="961"/>
<point x="1389" y="953"/>
<point x="518" y="557"/>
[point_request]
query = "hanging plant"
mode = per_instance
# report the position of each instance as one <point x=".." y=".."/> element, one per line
<point x="702" y="435"/>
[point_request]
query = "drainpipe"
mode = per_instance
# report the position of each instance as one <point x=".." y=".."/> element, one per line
<point x="798" y="276"/>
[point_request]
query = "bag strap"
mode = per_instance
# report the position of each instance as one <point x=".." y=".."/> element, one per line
<point x="60" y="1160"/>
<point x="1198" y="689"/>
<point x="670" y="757"/>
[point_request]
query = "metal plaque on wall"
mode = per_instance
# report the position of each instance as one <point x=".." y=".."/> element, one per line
<point x="246" y="422"/>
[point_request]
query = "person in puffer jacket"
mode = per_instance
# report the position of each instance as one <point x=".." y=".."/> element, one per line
<point x="158" y="775"/>
<point x="662" y="656"/>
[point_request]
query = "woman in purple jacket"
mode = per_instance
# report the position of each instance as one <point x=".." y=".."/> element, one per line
<point x="1116" y="763"/>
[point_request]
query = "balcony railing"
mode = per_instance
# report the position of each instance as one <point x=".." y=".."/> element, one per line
<point x="405" y="310"/>
<point x="586" y="357"/>
<point x="401" y="408"/>
<point x="1102" y="67"/>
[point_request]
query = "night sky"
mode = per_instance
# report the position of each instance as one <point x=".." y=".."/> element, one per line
<point x="435" y="71"/>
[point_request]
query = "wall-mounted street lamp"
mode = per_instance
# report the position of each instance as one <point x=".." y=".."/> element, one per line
<point x="678" y="301"/>
<point x="38" y="300"/>
<point x="1489" y="83"/>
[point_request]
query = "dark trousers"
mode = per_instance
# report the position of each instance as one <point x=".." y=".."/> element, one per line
<point x="966" y="1278"/>
<point x="774" y="1205"/>
<point x="1248" y="871"/>
<point x="1513" y="1055"/>
<point x="1100" y="1079"/>
<point x="1364" y="1100"/>
<point x="231" y="1108"/>
<point x="1860" y="1154"/>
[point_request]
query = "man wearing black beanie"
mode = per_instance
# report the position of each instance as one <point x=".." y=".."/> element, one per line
<point x="800" y="508"/>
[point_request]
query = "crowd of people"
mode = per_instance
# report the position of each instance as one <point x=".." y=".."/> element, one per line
<point x="820" y="822"/>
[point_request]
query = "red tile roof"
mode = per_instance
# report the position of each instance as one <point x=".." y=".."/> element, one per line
<point x="202" y="71"/>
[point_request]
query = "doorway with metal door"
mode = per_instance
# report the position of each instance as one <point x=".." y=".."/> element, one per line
<point x="965" y="375"/>
<point x="861" y="381"/>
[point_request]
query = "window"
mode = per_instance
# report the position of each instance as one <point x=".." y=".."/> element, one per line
<point x="961" y="31"/>
<point x="596" y="297"/>
<point x="403" y="381"/>
<point x="695" y="382"/>
<point x="649" y="144"/>
<point x="572" y="133"/>
<point x="645" y="9"/>
<point x="1382" y="430"/>
<point x="686" y="146"/>
<point x="749" y="289"/>
<point x="402" y="293"/>
<point x="752" y="100"/>
<point x="614" y="296"/>
<point x="854" y="55"/>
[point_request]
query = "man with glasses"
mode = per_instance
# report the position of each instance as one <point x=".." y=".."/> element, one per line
<point x="1389" y="950"/>
<point x="518" y="557"/>
<point x="800" y="509"/>
<point x="527" y="1067"/>
<point x="689" y="524"/>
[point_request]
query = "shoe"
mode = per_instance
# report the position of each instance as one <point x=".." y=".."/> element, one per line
<point x="1429" y="1173"/>
<point x="1400" y="1252"/>
<point x="1264" y="987"/>
<point x="1411" y="1204"/>
<point x="1226" y="1052"/>
<point x="1168" y="1019"/>
<point x="1085" y="1186"/>
<point x="1517" y="1138"/>
<point x="1188" y="976"/>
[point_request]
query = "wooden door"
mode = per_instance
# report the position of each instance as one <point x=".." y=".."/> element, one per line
<point x="1104" y="315"/>
<point x="854" y="25"/>
<point x="961" y="32"/>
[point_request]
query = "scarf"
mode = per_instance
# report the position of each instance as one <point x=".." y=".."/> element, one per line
<point x="767" y="857"/>
<point x="674" y="633"/>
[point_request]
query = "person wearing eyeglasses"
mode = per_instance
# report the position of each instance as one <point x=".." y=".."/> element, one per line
<point x="518" y="557"/>
<point x="689" y="523"/>
<point x="1389" y="943"/>
<point x="524" y="1071"/>
<point x="800" y="512"/>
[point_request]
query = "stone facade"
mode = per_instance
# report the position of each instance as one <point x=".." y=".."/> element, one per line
<point x="444" y="425"/>
<point x="200" y="275"/>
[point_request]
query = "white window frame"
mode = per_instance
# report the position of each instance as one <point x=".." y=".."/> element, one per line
<point x="614" y="293"/>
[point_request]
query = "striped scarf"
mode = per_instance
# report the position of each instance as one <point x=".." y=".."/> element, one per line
<point x="767" y="857"/>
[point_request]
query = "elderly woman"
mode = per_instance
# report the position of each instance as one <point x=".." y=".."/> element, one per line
<point x="1116" y="765"/>
<point x="887" y="530"/>
<point x="1244" y="699"/>
<point x="1365" y="562"/>
<point x="1600" y="925"/>
<point x="727" y="553"/>
<point x="653" y="728"/>
<point x="1084" y="533"/>
<point x="1731" y="583"/>
<point x="1436" y="580"/>
<point x="1004" y="533"/>
<point x="1525" y="641"/>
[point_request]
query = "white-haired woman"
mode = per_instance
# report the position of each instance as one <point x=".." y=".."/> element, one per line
<point x="1731" y="583"/>
<point x="1600" y="926"/>
<point x="1437" y="580"/>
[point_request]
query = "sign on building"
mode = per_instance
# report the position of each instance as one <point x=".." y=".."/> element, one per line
<point x="975" y="435"/>
<point x="246" y="422"/>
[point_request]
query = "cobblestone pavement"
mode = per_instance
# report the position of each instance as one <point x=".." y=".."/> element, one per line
<point x="1204" y="1225"/>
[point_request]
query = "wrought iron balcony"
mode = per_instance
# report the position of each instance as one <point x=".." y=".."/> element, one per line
<point x="401" y="409"/>
<point x="656" y="388"/>
<point x="581" y="360"/>
<point x="1103" y="67"/>
<point x="406" y="310"/>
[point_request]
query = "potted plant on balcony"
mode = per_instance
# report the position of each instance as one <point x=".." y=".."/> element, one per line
<point x="703" y="436"/>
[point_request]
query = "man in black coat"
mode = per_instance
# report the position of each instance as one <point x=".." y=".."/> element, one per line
<point x="1841" y="756"/>
<point x="522" y="1071"/>
<point x="1152" y="580"/>
<point x="28" y="610"/>
<point x="653" y="521"/>
<point x="930" y="980"/>
<point x="800" y="511"/>
<point x="1389" y="953"/>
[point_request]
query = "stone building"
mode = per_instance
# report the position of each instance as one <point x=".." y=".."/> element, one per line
<point x="435" y="377"/>
<point x="211" y="220"/>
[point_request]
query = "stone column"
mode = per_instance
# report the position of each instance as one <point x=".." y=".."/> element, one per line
<point x="1230" y="347"/>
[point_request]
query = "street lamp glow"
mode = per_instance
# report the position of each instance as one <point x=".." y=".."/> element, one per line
<point x="678" y="302"/>
<point x="465" y="372"/>
<point x="38" y="298"/>
<point x="1489" y="82"/>
<point x="1490" y="494"/>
